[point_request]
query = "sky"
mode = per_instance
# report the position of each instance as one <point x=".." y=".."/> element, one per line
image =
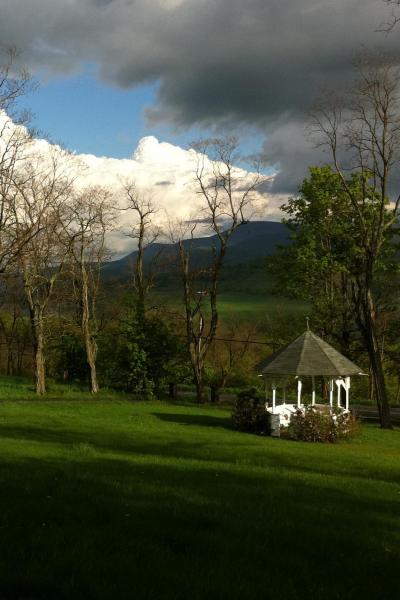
<point x="114" y="71"/>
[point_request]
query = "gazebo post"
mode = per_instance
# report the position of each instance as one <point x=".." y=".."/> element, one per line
<point x="313" y="391"/>
<point x="299" y="385"/>
<point x="284" y="392"/>
<point x="338" y="392"/>
<point x="273" y="397"/>
<point x="331" y="393"/>
<point x="347" y="380"/>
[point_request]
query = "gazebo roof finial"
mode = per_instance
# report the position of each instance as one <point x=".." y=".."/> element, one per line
<point x="308" y="323"/>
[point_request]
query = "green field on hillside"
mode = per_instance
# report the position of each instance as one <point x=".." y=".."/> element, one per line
<point x="247" y="307"/>
<point x="115" y="499"/>
<point x="255" y="307"/>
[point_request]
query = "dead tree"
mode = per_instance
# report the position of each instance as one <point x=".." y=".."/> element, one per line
<point x="391" y="23"/>
<point x="15" y="147"/>
<point x="362" y="132"/>
<point x="91" y="217"/>
<point x="229" y="353"/>
<point x="42" y="190"/>
<point x="14" y="324"/>
<point x="227" y="195"/>
<point x="14" y="82"/>
<point x="145" y="233"/>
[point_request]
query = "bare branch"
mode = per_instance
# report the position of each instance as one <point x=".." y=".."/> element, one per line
<point x="228" y="194"/>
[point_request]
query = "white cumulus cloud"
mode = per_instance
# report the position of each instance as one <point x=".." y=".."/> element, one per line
<point x="161" y="170"/>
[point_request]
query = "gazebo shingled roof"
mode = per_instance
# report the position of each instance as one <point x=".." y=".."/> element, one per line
<point x="308" y="355"/>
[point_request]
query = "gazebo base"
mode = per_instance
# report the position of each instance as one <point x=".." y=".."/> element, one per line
<point x="281" y="414"/>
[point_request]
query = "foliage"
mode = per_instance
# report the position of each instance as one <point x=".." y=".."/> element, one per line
<point x="313" y="425"/>
<point x="326" y="262"/>
<point x="249" y="414"/>
<point x="323" y="254"/>
<point x="283" y="327"/>
<point x="67" y="358"/>
<point x="166" y="353"/>
<point x="141" y="355"/>
<point x="231" y="360"/>
<point x="122" y="359"/>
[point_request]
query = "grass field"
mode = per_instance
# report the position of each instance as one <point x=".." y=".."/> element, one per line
<point x="242" y="306"/>
<point x="257" y="308"/>
<point x="114" y="499"/>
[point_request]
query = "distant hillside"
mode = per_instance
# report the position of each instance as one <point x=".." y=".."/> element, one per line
<point x="250" y="244"/>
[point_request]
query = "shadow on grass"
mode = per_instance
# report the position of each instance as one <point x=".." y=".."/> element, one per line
<point x="196" y="419"/>
<point x="100" y="529"/>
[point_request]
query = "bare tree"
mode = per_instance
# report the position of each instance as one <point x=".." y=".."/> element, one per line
<point x="229" y="352"/>
<point x="15" y="144"/>
<point x="91" y="217"/>
<point x="145" y="233"/>
<point x="41" y="191"/>
<point x="394" y="18"/>
<point x="227" y="195"/>
<point x="14" y="324"/>
<point x="14" y="82"/>
<point x="362" y="132"/>
<point x="15" y="147"/>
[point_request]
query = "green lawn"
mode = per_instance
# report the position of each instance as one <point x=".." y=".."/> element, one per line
<point x="111" y="499"/>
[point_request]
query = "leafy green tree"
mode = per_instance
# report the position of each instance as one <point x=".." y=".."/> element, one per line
<point x="315" y="267"/>
<point x="361" y="129"/>
<point x="326" y="264"/>
<point x="166" y="355"/>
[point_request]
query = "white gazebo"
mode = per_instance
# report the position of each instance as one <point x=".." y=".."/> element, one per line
<point x="309" y="357"/>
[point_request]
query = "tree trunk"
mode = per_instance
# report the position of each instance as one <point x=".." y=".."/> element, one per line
<point x="37" y="327"/>
<point x="10" y="358"/>
<point x="172" y="390"/>
<point x="398" y="390"/>
<point x="90" y="343"/>
<point x="40" y="361"/>
<point x="91" y="351"/>
<point x="371" y="386"/>
<point x="140" y="277"/>
<point x="379" y="387"/>
<point x="376" y="366"/>
<point x="199" y="390"/>
<point x="20" y="356"/>
<point x="214" y="394"/>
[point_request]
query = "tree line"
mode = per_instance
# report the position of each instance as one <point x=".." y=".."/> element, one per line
<point x="53" y="235"/>
<point x="343" y="258"/>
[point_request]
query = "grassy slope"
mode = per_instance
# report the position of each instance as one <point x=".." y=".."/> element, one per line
<point x="105" y="499"/>
<point x="245" y="307"/>
<point x="256" y="308"/>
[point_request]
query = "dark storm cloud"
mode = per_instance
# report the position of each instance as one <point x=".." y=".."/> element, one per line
<point x="289" y="148"/>
<point x="217" y="62"/>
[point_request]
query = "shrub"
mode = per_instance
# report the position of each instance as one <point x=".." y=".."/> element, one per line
<point x="67" y="358"/>
<point x="249" y="414"/>
<point x="142" y="356"/>
<point x="311" y="425"/>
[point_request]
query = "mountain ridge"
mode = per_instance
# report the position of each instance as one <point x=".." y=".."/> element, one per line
<point x="251" y="242"/>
